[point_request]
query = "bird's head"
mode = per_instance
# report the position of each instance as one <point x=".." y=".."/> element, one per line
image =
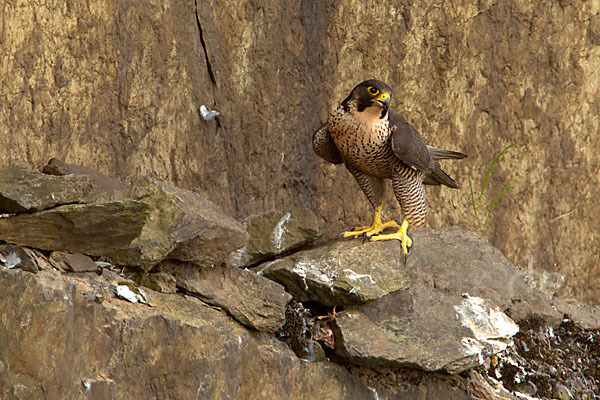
<point x="369" y="100"/>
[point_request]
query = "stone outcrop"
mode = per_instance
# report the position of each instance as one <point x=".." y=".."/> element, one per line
<point x="276" y="232"/>
<point x="424" y="328"/>
<point x="429" y="313"/>
<point x="61" y="341"/>
<point x="437" y="325"/>
<point x="25" y="190"/>
<point x="117" y="88"/>
<point x="251" y="299"/>
<point x="139" y="226"/>
<point x="105" y="183"/>
<point x="340" y="273"/>
<point x="215" y="338"/>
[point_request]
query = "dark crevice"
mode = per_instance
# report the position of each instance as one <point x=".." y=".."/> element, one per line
<point x="211" y="73"/>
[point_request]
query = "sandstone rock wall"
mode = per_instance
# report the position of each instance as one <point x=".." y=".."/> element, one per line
<point x="116" y="85"/>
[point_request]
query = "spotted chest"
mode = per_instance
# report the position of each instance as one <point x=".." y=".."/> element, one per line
<point x="365" y="147"/>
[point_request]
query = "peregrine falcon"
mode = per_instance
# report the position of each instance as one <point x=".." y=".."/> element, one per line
<point x="376" y="143"/>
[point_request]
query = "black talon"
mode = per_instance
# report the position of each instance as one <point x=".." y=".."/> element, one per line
<point x="365" y="237"/>
<point x="409" y="249"/>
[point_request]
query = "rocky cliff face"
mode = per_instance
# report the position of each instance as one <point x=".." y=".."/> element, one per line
<point x="151" y="291"/>
<point x="116" y="85"/>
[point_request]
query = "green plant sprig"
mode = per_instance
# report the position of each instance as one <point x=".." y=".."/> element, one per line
<point x="505" y="189"/>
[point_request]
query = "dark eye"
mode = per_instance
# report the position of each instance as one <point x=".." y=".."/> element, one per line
<point x="372" y="90"/>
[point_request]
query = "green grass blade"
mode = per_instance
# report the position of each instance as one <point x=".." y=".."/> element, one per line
<point x="501" y="193"/>
<point x="472" y="200"/>
<point x="491" y="169"/>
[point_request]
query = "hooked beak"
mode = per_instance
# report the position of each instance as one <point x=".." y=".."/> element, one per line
<point x="383" y="100"/>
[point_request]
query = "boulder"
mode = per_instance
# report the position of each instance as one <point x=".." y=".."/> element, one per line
<point x="341" y="273"/>
<point x="25" y="190"/>
<point x="59" y="343"/>
<point x="103" y="182"/>
<point x="138" y="226"/>
<point x="73" y="262"/>
<point x="199" y="231"/>
<point x="13" y="256"/>
<point x="456" y="261"/>
<point x="251" y="299"/>
<point x="424" y="328"/>
<point x="446" y="311"/>
<point x="277" y="232"/>
<point x="108" y="229"/>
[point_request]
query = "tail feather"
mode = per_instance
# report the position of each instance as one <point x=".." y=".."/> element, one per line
<point x="439" y="177"/>
<point x="441" y="154"/>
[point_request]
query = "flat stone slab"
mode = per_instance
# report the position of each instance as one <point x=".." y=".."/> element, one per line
<point x="73" y="262"/>
<point x="277" y="232"/>
<point x="25" y="190"/>
<point x="459" y="261"/>
<point x="251" y="299"/>
<point x="99" y="229"/>
<point x="138" y="226"/>
<point x="422" y="327"/>
<point x="179" y="348"/>
<point x="105" y="183"/>
<point x="453" y="315"/>
<point x="341" y="272"/>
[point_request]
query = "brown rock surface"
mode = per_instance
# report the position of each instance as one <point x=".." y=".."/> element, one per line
<point x="99" y="229"/>
<point x="341" y="272"/>
<point x="73" y="262"/>
<point x="60" y="344"/>
<point x="103" y="182"/>
<point x="251" y="299"/>
<point x="138" y="226"/>
<point x="26" y="190"/>
<point x="117" y="87"/>
<point x="276" y="232"/>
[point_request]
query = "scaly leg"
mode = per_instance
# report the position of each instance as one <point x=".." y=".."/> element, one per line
<point x="401" y="235"/>
<point x="374" y="229"/>
<point x="408" y="188"/>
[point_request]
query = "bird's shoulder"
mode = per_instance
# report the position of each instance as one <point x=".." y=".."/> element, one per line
<point x="406" y="142"/>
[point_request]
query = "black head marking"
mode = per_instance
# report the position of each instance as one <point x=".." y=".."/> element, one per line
<point x="368" y="93"/>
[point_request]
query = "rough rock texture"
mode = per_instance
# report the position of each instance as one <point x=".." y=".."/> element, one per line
<point x="138" y="226"/>
<point x="419" y="327"/>
<point x="73" y="262"/>
<point x="184" y="224"/>
<point x="451" y="260"/>
<point x="276" y="232"/>
<point x="457" y="261"/>
<point x="13" y="256"/>
<point x="100" y="229"/>
<point x="61" y="342"/>
<point x="25" y="190"/>
<point x="341" y="273"/>
<point x="116" y="86"/>
<point x="103" y="182"/>
<point x="447" y="315"/>
<point x="251" y="299"/>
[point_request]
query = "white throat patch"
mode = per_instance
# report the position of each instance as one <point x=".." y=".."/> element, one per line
<point x="370" y="116"/>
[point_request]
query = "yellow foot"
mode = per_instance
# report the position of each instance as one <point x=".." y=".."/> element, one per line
<point x="374" y="229"/>
<point x="400" y="235"/>
<point x="369" y="231"/>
